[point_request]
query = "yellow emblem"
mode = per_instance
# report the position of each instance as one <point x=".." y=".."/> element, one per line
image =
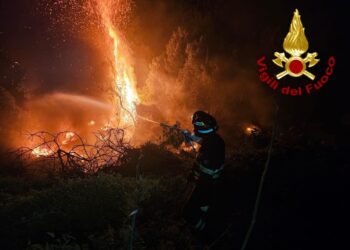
<point x="296" y="44"/>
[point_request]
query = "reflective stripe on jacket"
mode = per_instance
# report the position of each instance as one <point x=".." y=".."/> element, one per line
<point x="213" y="173"/>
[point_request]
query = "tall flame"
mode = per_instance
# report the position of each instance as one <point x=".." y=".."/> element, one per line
<point x="295" y="43"/>
<point x="124" y="81"/>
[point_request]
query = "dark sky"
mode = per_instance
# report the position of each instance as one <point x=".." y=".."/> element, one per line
<point x="51" y="57"/>
<point x="252" y="29"/>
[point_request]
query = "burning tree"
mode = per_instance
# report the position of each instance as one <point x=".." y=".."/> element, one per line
<point x="69" y="151"/>
<point x="123" y="75"/>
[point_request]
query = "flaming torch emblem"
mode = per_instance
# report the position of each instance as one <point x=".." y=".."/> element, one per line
<point x="296" y="44"/>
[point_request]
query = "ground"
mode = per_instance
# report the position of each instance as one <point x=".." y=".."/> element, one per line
<point x="302" y="203"/>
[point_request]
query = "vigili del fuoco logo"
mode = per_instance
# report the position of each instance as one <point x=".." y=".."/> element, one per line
<point x="295" y="64"/>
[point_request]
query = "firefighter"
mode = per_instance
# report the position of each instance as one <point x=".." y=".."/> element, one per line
<point x="207" y="169"/>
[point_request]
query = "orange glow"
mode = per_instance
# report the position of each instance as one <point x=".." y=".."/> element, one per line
<point x="120" y="112"/>
<point x="68" y="138"/>
<point x="41" y="151"/>
<point x="124" y="80"/>
<point x="64" y="141"/>
<point x="190" y="148"/>
<point x="91" y="123"/>
<point x="252" y="130"/>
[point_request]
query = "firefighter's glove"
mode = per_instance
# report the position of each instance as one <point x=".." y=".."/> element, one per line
<point x="186" y="134"/>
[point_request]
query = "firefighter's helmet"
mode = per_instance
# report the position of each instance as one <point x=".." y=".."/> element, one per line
<point x="203" y="123"/>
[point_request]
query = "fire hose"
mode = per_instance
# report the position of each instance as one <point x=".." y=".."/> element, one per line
<point x="259" y="191"/>
<point x="261" y="183"/>
<point x="188" y="137"/>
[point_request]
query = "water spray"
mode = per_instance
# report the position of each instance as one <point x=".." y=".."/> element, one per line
<point x="188" y="137"/>
<point x="148" y="120"/>
<point x="175" y="127"/>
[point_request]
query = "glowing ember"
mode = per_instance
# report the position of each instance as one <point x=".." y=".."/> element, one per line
<point x="124" y="83"/>
<point x="190" y="148"/>
<point x="50" y="148"/>
<point x="91" y="123"/>
<point x="68" y="138"/>
<point x="252" y="130"/>
<point x="41" y="151"/>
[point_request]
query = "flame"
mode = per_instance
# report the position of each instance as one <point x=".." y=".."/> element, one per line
<point x="120" y="112"/>
<point x="190" y="148"/>
<point x="91" y="123"/>
<point x="68" y="138"/>
<point x="50" y="148"/>
<point x="252" y="130"/>
<point x="124" y="83"/>
<point x="249" y="130"/>
<point x="41" y="151"/>
<point x="295" y="43"/>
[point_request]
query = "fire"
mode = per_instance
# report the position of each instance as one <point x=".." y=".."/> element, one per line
<point x="64" y="140"/>
<point x="124" y="83"/>
<point x="190" y="148"/>
<point x="120" y="112"/>
<point x="252" y="130"/>
<point x="295" y="43"/>
<point x="41" y="151"/>
<point x="68" y="138"/>
<point x="91" y="123"/>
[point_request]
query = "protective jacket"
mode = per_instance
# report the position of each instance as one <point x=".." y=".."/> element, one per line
<point x="207" y="170"/>
<point x="210" y="160"/>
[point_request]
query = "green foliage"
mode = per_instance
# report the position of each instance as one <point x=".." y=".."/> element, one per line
<point x="153" y="161"/>
<point x="10" y="166"/>
<point x="14" y="186"/>
<point x="162" y="227"/>
<point x="93" y="211"/>
<point x="77" y="206"/>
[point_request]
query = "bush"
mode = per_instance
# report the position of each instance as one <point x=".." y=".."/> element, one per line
<point x="93" y="211"/>
<point x="78" y="207"/>
<point x="153" y="161"/>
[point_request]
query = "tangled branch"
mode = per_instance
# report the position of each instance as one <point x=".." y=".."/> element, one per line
<point x="69" y="154"/>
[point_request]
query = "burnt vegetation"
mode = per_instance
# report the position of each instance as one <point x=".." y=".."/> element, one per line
<point x="60" y="209"/>
<point x="68" y="154"/>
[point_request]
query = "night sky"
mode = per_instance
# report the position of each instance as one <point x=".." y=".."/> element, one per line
<point x="54" y="60"/>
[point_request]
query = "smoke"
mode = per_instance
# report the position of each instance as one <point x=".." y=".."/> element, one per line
<point x="68" y="69"/>
<point x="188" y="56"/>
<point x="9" y="111"/>
<point x="60" y="112"/>
<point x="200" y="67"/>
<point x="184" y="79"/>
